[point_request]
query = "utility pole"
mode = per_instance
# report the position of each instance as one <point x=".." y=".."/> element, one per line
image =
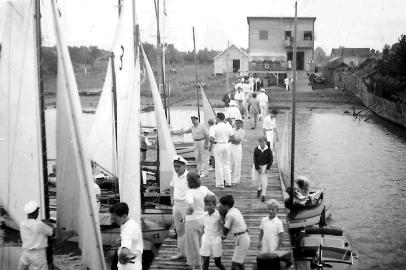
<point x="292" y="155"/>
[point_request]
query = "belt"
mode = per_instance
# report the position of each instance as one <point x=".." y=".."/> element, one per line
<point x="236" y="234"/>
<point x="268" y="129"/>
<point x="199" y="139"/>
<point x="220" y="142"/>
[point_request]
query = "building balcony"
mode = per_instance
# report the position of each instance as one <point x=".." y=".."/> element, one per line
<point x="305" y="44"/>
<point x="265" y="66"/>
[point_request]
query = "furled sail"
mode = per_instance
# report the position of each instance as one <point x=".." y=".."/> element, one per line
<point x="207" y="108"/>
<point x="102" y="131"/>
<point x="76" y="199"/>
<point x="284" y="159"/>
<point x="21" y="178"/>
<point x="166" y="148"/>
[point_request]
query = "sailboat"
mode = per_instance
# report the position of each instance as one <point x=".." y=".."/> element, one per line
<point x="22" y="148"/>
<point x="299" y="216"/>
<point x="208" y="110"/>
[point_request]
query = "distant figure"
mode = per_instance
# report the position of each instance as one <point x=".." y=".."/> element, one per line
<point x="269" y="127"/>
<point x="263" y="103"/>
<point x="233" y="112"/>
<point x="287" y="83"/>
<point x="211" y="123"/>
<point x="253" y="109"/>
<point x="242" y="109"/>
<point x="34" y="236"/>
<point x="144" y="143"/>
<point x="228" y="97"/>
<point x="263" y="159"/>
<point x="131" y="247"/>
<point x="236" y="151"/>
<point x="251" y="82"/>
<point x="239" y="95"/>
<point x="234" y="223"/>
<point x="213" y="230"/>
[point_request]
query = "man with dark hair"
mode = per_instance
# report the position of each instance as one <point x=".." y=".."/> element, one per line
<point x="220" y="135"/>
<point x="130" y="251"/>
<point x="234" y="223"/>
<point x="263" y="159"/>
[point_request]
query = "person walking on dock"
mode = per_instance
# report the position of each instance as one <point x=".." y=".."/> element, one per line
<point x="212" y="162"/>
<point x="211" y="239"/>
<point x="200" y="136"/>
<point x="236" y="151"/>
<point x="220" y="135"/>
<point x="233" y="112"/>
<point x="253" y="109"/>
<point x="194" y="218"/>
<point x="131" y="247"/>
<point x="34" y="236"/>
<point x="263" y="159"/>
<point x="270" y="131"/>
<point x="234" y="223"/>
<point x="263" y="103"/>
<point x="178" y="188"/>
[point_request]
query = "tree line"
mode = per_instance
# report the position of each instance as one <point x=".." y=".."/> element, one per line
<point x="89" y="55"/>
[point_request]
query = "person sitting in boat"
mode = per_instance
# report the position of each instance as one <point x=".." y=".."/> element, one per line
<point x="302" y="195"/>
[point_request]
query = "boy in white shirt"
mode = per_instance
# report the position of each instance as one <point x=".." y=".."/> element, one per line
<point x="211" y="239"/>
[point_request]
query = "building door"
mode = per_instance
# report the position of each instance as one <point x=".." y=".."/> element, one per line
<point x="236" y="65"/>
<point x="299" y="59"/>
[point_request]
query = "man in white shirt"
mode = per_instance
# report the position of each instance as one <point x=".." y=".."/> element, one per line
<point x="287" y="82"/>
<point x="263" y="103"/>
<point x="131" y="247"/>
<point x="34" y="236"/>
<point x="220" y="135"/>
<point x="233" y="112"/>
<point x="270" y="131"/>
<point x="240" y="95"/>
<point x="251" y="82"/>
<point x="236" y="151"/>
<point x="200" y="136"/>
<point x="178" y="188"/>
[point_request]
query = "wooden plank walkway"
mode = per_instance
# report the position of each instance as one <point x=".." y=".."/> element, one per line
<point x="246" y="201"/>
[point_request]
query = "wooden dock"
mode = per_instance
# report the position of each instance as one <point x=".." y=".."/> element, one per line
<point x="246" y="201"/>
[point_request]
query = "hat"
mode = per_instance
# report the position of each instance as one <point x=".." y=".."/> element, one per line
<point x="239" y="119"/>
<point x="180" y="160"/>
<point x="232" y="103"/>
<point x="262" y="90"/>
<point x="194" y="116"/>
<point x="31" y="207"/>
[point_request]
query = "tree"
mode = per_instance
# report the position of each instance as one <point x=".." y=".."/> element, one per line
<point x="320" y="57"/>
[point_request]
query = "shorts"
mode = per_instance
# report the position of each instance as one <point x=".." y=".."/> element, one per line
<point x="211" y="248"/>
<point x="242" y="246"/>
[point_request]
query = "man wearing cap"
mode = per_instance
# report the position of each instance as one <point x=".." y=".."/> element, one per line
<point x="220" y="135"/>
<point x="34" y="235"/>
<point x="233" y="112"/>
<point x="236" y="151"/>
<point x="178" y="188"/>
<point x="200" y="136"/>
<point x="144" y="143"/>
<point x="263" y="103"/>
<point x="269" y="126"/>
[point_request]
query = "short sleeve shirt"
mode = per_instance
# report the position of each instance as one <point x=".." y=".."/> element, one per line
<point x="179" y="184"/>
<point x="269" y="123"/>
<point x="239" y="133"/>
<point x="195" y="197"/>
<point x="235" y="221"/>
<point x="271" y="230"/>
<point x="34" y="234"/>
<point x="221" y="132"/>
<point x="131" y="238"/>
<point x="199" y="132"/>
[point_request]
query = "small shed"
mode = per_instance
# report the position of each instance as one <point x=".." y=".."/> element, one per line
<point x="231" y="60"/>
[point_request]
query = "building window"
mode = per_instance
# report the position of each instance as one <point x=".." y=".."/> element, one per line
<point x="308" y="35"/>
<point x="288" y="35"/>
<point x="263" y="35"/>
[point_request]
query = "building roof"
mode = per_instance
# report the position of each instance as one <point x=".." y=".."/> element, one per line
<point x="351" y="52"/>
<point x="232" y="45"/>
<point x="280" y="18"/>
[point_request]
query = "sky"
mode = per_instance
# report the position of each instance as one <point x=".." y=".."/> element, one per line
<point x="349" y="23"/>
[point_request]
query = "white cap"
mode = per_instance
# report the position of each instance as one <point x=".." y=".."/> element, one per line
<point x="30" y="207"/>
<point x="193" y="115"/>
<point x="232" y="103"/>
<point x="180" y="159"/>
<point x="262" y="90"/>
<point x="99" y="176"/>
<point x="239" y="119"/>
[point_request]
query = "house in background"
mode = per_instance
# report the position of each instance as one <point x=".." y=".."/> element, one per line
<point x="351" y="56"/>
<point x="231" y="60"/>
<point x="270" y="46"/>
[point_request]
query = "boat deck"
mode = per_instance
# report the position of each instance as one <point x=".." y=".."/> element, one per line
<point x="246" y="201"/>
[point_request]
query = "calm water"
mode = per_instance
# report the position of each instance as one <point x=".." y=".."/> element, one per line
<point x="361" y="164"/>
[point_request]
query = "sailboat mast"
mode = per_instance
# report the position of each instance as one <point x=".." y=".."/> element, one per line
<point x="292" y="155"/>
<point x="114" y="101"/>
<point x="197" y="82"/>
<point x="42" y="131"/>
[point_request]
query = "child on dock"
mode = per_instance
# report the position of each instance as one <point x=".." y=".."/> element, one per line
<point x="263" y="159"/>
<point x="234" y="223"/>
<point x="211" y="239"/>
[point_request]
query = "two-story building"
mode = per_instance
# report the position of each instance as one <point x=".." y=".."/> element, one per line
<point x="270" y="46"/>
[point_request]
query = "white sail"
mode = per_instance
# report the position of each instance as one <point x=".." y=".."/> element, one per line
<point x="129" y="170"/>
<point x="207" y="108"/>
<point x="166" y="148"/>
<point x="101" y="133"/>
<point x="76" y="199"/>
<point x="21" y="178"/>
<point x="284" y="159"/>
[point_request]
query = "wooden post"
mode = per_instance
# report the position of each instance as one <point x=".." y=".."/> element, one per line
<point x="292" y="155"/>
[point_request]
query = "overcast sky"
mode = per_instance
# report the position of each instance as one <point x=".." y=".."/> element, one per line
<point x="349" y="23"/>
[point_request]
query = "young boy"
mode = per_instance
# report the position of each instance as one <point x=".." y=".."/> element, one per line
<point x="235" y="224"/>
<point x="270" y="235"/>
<point x="211" y="239"/>
<point x="263" y="159"/>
